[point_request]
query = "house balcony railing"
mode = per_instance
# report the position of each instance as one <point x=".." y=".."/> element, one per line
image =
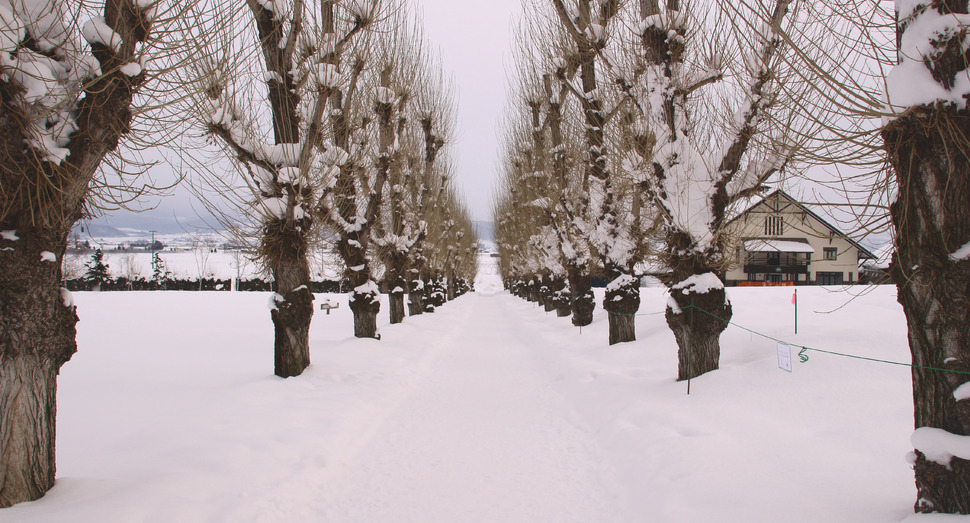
<point x="782" y="263"/>
<point x="776" y="269"/>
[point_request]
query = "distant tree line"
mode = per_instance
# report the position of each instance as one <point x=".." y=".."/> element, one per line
<point x="122" y="283"/>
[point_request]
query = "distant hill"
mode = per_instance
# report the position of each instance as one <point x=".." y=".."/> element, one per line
<point x="122" y="224"/>
<point x="139" y="225"/>
<point x="484" y="231"/>
<point x="87" y="229"/>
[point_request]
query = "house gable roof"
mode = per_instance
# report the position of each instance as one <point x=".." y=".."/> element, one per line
<point x="756" y="201"/>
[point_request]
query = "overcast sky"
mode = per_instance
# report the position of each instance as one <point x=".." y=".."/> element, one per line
<point x="474" y="39"/>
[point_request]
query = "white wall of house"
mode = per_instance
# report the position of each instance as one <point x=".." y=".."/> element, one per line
<point x="778" y="217"/>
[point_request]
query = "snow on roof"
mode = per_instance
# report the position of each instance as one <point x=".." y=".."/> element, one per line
<point x="882" y="257"/>
<point x="739" y="207"/>
<point x="780" y="245"/>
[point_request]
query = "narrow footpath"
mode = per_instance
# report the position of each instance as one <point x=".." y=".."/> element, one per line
<point x="486" y="438"/>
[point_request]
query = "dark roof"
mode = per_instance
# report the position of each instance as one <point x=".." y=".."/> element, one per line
<point x="755" y="201"/>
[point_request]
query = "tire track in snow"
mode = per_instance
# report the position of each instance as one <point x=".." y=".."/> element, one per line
<point x="484" y="438"/>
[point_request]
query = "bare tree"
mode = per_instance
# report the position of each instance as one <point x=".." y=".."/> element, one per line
<point x="298" y="61"/>
<point x="610" y="231"/>
<point x="546" y="164"/>
<point x="673" y="84"/>
<point x="201" y="251"/>
<point x="65" y="109"/>
<point x="405" y="227"/>
<point x="72" y="266"/>
<point x="571" y="158"/>
<point x="436" y="119"/>
<point x="353" y="208"/>
<point x="130" y="268"/>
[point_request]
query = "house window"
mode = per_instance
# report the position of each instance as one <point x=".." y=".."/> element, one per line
<point x="828" y="278"/>
<point x="831" y="253"/>
<point x="774" y="226"/>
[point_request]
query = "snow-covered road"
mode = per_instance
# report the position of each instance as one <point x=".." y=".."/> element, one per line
<point x="486" y="437"/>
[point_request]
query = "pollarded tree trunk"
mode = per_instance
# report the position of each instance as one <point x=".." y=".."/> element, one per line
<point x="365" y="296"/>
<point x="622" y="301"/>
<point x="395" y="304"/>
<point x="623" y="327"/>
<point x="37" y="336"/>
<point x="395" y="278"/>
<point x="928" y="150"/>
<point x="581" y="297"/>
<point x="559" y="296"/>
<point x="546" y="284"/>
<point x="530" y="289"/>
<point x="562" y="298"/>
<point x="28" y="388"/>
<point x="429" y="291"/>
<point x="293" y="307"/>
<point x="365" y="305"/>
<point x="416" y="294"/>
<point x="365" y="300"/>
<point x="538" y="290"/>
<point x="548" y="304"/>
<point x="41" y="198"/>
<point x="697" y="327"/>
<point x="436" y="297"/>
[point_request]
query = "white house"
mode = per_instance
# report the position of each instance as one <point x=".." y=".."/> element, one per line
<point x="781" y="240"/>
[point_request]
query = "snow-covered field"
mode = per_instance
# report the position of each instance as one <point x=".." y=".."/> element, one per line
<point x="489" y="410"/>
<point x="189" y="264"/>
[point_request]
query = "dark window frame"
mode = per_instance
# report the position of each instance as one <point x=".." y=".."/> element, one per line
<point x="829" y="278"/>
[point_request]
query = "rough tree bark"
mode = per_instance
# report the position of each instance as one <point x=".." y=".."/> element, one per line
<point x="581" y="298"/>
<point x="398" y="284"/>
<point x="40" y="201"/>
<point x="548" y="293"/>
<point x="364" y="298"/>
<point x="294" y="302"/>
<point x="622" y="301"/>
<point x="37" y="336"/>
<point x="927" y="147"/>
<point x="704" y="309"/>
<point x="416" y="293"/>
<point x="697" y="327"/>
<point x="561" y="297"/>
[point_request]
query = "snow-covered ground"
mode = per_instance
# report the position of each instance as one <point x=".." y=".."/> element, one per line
<point x="488" y="410"/>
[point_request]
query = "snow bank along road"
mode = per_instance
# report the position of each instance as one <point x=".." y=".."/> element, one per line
<point x="487" y="410"/>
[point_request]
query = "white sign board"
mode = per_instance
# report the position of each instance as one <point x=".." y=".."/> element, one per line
<point x="784" y="356"/>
